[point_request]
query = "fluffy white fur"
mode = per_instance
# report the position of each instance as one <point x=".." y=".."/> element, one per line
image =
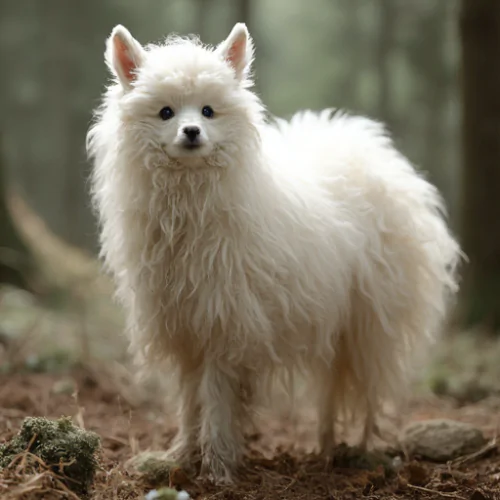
<point x="310" y="244"/>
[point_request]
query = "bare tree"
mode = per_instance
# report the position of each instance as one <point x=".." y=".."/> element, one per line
<point x="16" y="261"/>
<point x="480" y="38"/>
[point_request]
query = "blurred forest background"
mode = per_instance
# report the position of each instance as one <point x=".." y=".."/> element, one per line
<point x="428" y="68"/>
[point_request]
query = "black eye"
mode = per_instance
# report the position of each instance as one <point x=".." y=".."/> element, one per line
<point x="207" y="112"/>
<point x="166" y="113"/>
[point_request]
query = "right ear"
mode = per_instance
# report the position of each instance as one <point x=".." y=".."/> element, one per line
<point x="124" y="55"/>
<point x="237" y="50"/>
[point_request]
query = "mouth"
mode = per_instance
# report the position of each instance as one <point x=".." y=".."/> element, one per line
<point x="188" y="149"/>
<point x="190" y="152"/>
<point x="191" y="146"/>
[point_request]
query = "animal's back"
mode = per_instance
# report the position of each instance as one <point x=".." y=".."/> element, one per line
<point x="352" y="161"/>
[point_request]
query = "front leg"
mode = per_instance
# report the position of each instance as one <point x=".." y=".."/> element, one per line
<point x="221" y="427"/>
<point x="185" y="448"/>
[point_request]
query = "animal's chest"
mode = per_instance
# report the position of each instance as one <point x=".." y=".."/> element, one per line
<point x="203" y="271"/>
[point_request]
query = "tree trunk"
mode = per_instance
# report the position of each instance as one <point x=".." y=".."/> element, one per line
<point x="351" y="38"/>
<point x="201" y="8"/>
<point x="243" y="12"/>
<point x="480" y="37"/>
<point x="16" y="262"/>
<point x="387" y="13"/>
<point x="436" y="93"/>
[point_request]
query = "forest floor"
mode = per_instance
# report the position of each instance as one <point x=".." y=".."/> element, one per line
<point x="64" y="356"/>
<point x="126" y="428"/>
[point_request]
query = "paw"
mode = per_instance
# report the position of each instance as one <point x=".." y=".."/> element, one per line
<point x="216" y="469"/>
<point x="326" y="443"/>
<point x="328" y="460"/>
<point x="225" y="480"/>
<point x="182" y="453"/>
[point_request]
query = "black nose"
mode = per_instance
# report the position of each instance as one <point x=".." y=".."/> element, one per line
<point x="192" y="133"/>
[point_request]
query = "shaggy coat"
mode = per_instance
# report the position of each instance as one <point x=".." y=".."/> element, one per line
<point x="264" y="247"/>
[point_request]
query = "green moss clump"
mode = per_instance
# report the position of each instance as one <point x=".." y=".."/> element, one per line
<point x="66" y="449"/>
<point x="154" y="467"/>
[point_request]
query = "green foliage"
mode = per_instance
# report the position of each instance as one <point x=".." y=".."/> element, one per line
<point x="69" y="451"/>
<point x="465" y="368"/>
<point x="55" y="361"/>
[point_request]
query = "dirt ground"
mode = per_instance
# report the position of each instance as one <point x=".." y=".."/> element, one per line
<point x="126" y="429"/>
<point x="80" y="323"/>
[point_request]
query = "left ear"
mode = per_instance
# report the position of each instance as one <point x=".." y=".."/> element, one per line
<point x="124" y="56"/>
<point x="237" y="50"/>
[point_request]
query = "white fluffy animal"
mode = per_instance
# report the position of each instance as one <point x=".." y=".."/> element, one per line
<point x="242" y="248"/>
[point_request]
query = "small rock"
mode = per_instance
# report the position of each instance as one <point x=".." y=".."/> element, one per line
<point x="441" y="440"/>
<point x="397" y="463"/>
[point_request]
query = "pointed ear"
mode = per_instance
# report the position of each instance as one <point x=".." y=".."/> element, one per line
<point x="237" y="50"/>
<point x="124" y="55"/>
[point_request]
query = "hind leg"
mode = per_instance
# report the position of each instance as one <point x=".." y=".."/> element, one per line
<point x="369" y="428"/>
<point x="373" y="357"/>
<point x="326" y="410"/>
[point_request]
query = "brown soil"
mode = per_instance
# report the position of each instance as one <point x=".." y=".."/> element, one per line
<point x="126" y="429"/>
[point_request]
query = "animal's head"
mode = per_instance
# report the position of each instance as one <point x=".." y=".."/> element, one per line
<point x="181" y="104"/>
